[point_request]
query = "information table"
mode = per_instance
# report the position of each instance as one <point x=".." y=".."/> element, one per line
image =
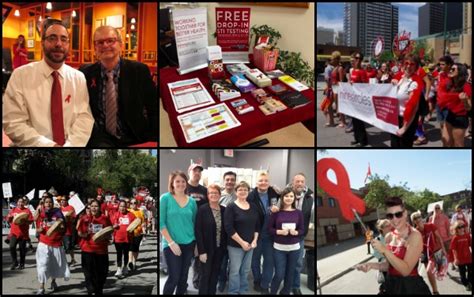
<point x="253" y="124"/>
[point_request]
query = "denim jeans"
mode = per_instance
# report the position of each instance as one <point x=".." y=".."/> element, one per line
<point x="239" y="270"/>
<point x="178" y="268"/>
<point x="299" y="267"/>
<point x="285" y="265"/>
<point x="264" y="248"/>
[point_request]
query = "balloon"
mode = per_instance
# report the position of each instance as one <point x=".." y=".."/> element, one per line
<point x="340" y="191"/>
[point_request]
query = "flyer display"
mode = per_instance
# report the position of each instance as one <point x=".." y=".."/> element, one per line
<point x="189" y="94"/>
<point x="208" y="121"/>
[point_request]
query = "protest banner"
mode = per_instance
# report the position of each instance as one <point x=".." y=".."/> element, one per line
<point x="375" y="104"/>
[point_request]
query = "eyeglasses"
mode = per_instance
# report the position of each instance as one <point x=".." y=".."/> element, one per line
<point x="102" y="42"/>
<point x="54" y="39"/>
<point x="213" y="193"/>
<point x="397" y="214"/>
<point x="357" y="58"/>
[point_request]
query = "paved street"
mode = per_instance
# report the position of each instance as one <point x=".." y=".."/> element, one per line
<point x="337" y="277"/>
<point x="336" y="137"/>
<point x="141" y="282"/>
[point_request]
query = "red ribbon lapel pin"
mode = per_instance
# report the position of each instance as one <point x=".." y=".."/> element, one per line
<point x="68" y="98"/>
<point x="93" y="84"/>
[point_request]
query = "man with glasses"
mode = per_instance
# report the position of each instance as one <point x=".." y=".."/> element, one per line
<point x="122" y="94"/>
<point x="46" y="102"/>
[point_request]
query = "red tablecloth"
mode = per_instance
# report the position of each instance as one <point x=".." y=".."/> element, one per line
<point x="254" y="123"/>
<point x="146" y="144"/>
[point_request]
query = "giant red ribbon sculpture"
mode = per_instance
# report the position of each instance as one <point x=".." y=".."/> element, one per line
<point x="340" y="191"/>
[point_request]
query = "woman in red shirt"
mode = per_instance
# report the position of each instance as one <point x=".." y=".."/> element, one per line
<point x="432" y="246"/>
<point x="50" y="255"/>
<point x="20" y="53"/>
<point x="455" y="100"/>
<point x="95" y="257"/>
<point x="402" y="251"/>
<point x="122" y="219"/>
<point x="19" y="233"/>
<point x="68" y="239"/>
<point x="358" y="75"/>
<point x="461" y="246"/>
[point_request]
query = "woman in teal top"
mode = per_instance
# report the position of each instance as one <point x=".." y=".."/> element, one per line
<point x="177" y="218"/>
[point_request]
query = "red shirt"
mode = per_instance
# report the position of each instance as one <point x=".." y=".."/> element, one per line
<point x="112" y="209"/>
<point x="359" y="76"/>
<point x="451" y="101"/>
<point x="123" y="220"/>
<point x="400" y="252"/>
<point x="372" y="73"/>
<point x="45" y="221"/>
<point x="429" y="238"/>
<point x="20" y="231"/>
<point x="461" y="244"/>
<point x="19" y="60"/>
<point x="69" y="222"/>
<point x="93" y="225"/>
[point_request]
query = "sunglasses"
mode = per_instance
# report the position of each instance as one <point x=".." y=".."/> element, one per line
<point x="133" y="203"/>
<point x="357" y="58"/>
<point x="460" y="227"/>
<point x="397" y="214"/>
<point x="453" y="69"/>
<point x="409" y="64"/>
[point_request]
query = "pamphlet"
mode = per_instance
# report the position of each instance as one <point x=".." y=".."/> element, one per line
<point x="293" y="83"/>
<point x="208" y="121"/>
<point x="189" y="94"/>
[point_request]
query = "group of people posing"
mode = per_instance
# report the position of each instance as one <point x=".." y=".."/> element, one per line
<point x="232" y="228"/>
<point x="59" y="228"/>
<point x="446" y="89"/>
<point x="434" y="242"/>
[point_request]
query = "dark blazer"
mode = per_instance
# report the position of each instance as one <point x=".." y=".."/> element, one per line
<point x="205" y="230"/>
<point x="254" y="198"/>
<point x="138" y="98"/>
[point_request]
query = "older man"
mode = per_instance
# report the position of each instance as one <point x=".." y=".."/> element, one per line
<point x="122" y="94"/>
<point x="46" y="103"/>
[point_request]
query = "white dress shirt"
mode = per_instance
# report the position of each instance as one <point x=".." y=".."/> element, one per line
<point x="27" y="106"/>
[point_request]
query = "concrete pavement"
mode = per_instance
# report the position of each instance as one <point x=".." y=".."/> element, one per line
<point x="143" y="281"/>
<point x="338" y="276"/>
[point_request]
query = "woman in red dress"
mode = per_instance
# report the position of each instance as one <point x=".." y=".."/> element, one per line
<point x="20" y="54"/>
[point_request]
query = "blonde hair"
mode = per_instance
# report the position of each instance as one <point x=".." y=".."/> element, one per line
<point x="336" y="55"/>
<point x="381" y="224"/>
<point x="415" y="216"/>
<point x="455" y="225"/>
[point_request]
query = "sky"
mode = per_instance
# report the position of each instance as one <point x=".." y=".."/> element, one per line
<point x="440" y="171"/>
<point x="331" y="15"/>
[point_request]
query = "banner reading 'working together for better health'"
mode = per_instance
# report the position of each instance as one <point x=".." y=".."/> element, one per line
<point x="376" y="104"/>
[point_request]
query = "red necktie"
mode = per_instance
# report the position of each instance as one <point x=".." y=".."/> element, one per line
<point x="57" y="110"/>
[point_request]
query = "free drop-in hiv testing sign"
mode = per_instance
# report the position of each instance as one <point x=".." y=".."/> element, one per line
<point x="233" y="28"/>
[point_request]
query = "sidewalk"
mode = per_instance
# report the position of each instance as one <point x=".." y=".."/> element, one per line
<point x="143" y="281"/>
<point x="338" y="276"/>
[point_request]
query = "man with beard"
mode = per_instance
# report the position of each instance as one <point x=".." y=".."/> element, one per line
<point x="122" y="94"/>
<point x="46" y="103"/>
